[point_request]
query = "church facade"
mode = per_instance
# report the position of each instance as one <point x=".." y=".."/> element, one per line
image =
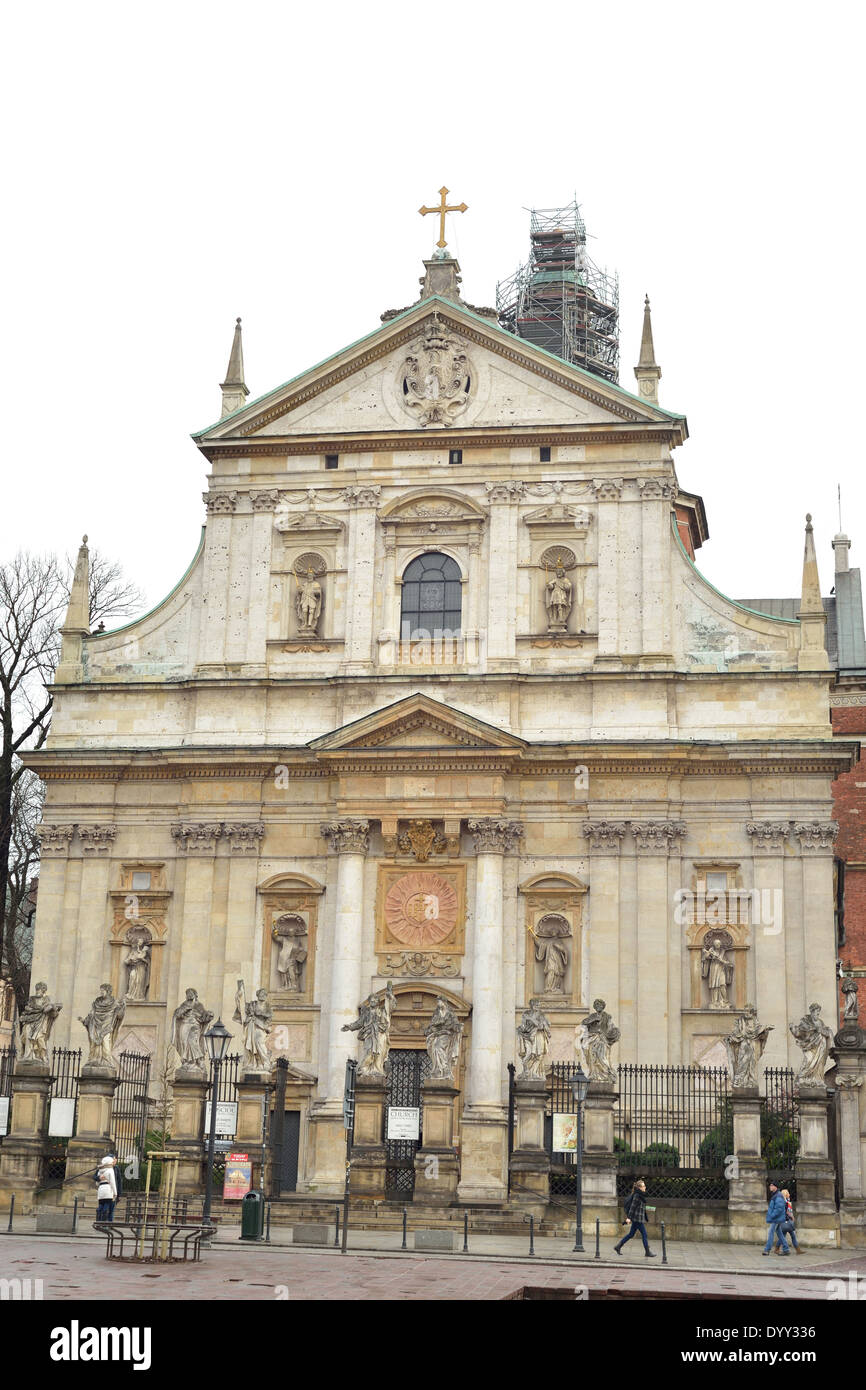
<point x="443" y="701"/>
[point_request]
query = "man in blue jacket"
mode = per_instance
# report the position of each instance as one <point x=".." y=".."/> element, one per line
<point x="775" y="1217"/>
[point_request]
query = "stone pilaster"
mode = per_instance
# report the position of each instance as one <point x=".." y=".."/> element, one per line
<point x="655" y="842"/>
<point x="747" y="1192"/>
<point x="361" y="563"/>
<point x="368" y="1146"/>
<point x="21" y="1150"/>
<point x="530" y="1164"/>
<point x="612" y="944"/>
<point x="436" y="1180"/>
<point x="502" y="577"/>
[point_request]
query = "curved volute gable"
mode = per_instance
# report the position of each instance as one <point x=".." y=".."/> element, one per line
<point x="436" y="366"/>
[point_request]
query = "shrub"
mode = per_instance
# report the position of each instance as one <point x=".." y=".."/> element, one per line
<point x="659" y="1155"/>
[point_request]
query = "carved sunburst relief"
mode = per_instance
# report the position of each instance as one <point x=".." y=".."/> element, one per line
<point x="421" y="909"/>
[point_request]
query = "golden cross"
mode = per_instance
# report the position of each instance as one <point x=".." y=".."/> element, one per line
<point x="441" y="210"/>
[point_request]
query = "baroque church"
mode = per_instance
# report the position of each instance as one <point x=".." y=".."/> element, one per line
<point x="442" y="701"/>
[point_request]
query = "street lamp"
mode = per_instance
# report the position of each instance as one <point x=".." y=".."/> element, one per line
<point x="579" y="1085"/>
<point x="217" y="1038"/>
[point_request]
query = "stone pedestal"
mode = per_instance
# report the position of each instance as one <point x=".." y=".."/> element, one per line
<point x="252" y="1098"/>
<point x="530" y="1164"/>
<point x="483" y="1156"/>
<point x="817" y="1219"/>
<point x="188" y="1136"/>
<point x="21" y="1150"/>
<point x="599" y="1159"/>
<point x="850" y="1054"/>
<point x="92" y="1139"/>
<point x="437" y="1169"/>
<point x="368" y="1148"/>
<point x="747" y="1192"/>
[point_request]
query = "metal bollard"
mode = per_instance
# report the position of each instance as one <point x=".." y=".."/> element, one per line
<point x="597" y="1238"/>
<point x="337" y="1232"/>
<point x="268" y="1224"/>
<point x="531" y="1235"/>
<point x="11" y="1211"/>
<point x="74" y="1215"/>
<point x="403" y="1246"/>
<point x="466" y="1233"/>
<point x="664" y="1246"/>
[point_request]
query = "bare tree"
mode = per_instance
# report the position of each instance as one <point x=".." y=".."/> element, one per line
<point x="34" y="594"/>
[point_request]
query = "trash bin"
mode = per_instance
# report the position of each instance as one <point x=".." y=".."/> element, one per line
<point x="252" y="1216"/>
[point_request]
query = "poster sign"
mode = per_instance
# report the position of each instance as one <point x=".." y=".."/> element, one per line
<point x="404" y="1122"/>
<point x="61" y="1117"/>
<point x="4" y="1114"/>
<point x="239" y="1177"/>
<point x="564" y="1134"/>
<point x="226" y="1117"/>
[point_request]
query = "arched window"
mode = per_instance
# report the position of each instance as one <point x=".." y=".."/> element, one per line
<point x="432" y="596"/>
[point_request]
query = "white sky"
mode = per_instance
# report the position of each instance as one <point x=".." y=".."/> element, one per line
<point x="170" y="166"/>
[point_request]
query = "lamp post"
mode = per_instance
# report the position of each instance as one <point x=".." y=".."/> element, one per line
<point x="217" y="1038"/>
<point x="579" y="1086"/>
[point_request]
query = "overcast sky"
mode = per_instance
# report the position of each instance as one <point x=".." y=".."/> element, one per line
<point x="170" y="166"/>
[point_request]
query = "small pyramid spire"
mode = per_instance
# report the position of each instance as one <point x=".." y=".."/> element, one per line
<point x="234" y="388"/>
<point x="647" y="371"/>
<point x="77" y="624"/>
<point x="813" y="618"/>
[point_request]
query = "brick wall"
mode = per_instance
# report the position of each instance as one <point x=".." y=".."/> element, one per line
<point x="849" y="809"/>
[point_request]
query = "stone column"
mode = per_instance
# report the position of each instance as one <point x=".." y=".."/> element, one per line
<point x="599" y="1159"/>
<point x="92" y="1138"/>
<point x="817" y="1221"/>
<point x="436" y="1181"/>
<point x="21" y="1150"/>
<point x="530" y="1164"/>
<point x="850" y="1054"/>
<point x="188" y="1134"/>
<point x="350" y="840"/>
<point x="484" y="1117"/>
<point x="361" y="567"/>
<point x="368" y="1141"/>
<point x="747" y="1192"/>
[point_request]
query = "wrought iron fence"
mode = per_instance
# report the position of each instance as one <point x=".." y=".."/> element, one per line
<point x="563" y="1166"/>
<point x="671" y="1129"/>
<point x="65" y="1069"/>
<point x="129" y="1116"/>
<point x="780" y="1127"/>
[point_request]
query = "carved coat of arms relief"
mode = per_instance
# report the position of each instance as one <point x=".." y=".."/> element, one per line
<point x="435" y="377"/>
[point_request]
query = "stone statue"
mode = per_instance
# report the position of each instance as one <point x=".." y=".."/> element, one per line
<point x="718" y="972"/>
<point x="558" y="600"/>
<point x="289" y="931"/>
<point x="35" y="1024"/>
<point x="255" y="1015"/>
<point x="308" y="604"/>
<point x="593" y="1040"/>
<point x="137" y="964"/>
<point x="533" y="1041"/>
<point x="815" y="1038"/>
<point x="443" y="1033"/>
<point x="189" y="1023"/>
<point x="103" y="1024"/>
<point x="552" y="952"/>
<point x="373" y="1026"/>
<point x="852" y="1006"/>
<point x="745" y="1045"/>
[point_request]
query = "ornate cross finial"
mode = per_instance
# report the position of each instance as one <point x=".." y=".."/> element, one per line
<point x="441" y="210"/>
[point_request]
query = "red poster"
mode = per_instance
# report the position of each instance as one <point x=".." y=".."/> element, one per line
<point x="239" y="1177"/>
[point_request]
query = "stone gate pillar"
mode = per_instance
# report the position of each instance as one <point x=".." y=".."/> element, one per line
<point x="747" y="1193"/>
<point x="850" y="1054"/>
<point x="188" y="1135"/>
<point x="530" y="1163"/>
<point x="436" y="1181"/>
<point x="21" y="1150"/>
<point x="599" y="1159"/>
<point x="815" y="1174"/>
<point x="368" y="1146"/>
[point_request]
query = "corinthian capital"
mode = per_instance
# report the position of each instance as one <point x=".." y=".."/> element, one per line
<point x="493" y="836"/>
<point x="244" y="836"/>
<point x="347" y="836"/>
<point x="96" y="839"/>
<point x="196" y="837"/>
<point x="816" y="834"/>
<point x="54" y="839"/>
<point x="768" y="836"/>
<point x="605" y="836"/>
<point x="657" y="836"/>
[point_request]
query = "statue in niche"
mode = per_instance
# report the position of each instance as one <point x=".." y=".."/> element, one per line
<point x="852" y="1006"/>
<point x="558" y="600"/>
<point x="551" y="951"/>
<point x="103" y="1024"/>
<point x="255" y="1015"/>
<point x="593" y="1040"/>
<point x="717" y="970"/>
<point x="35" y="1024"/>
<point x="533" y="1040"/>
<point x="290" y="930"/>
<point x="815" y="1038"/>
<point x="373" y="1026"/>
<point x="137" y="964"/>
<point x="308" y="603"/>
<point x="188" y="1024"/>
<point x="745" y="1045"/>
<point x="443" y="1035"/>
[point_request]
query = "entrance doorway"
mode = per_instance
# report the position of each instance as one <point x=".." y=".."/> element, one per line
<point x="409" y="1066"/>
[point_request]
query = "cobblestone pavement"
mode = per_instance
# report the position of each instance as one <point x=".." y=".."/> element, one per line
<point x="72" y="1268"/>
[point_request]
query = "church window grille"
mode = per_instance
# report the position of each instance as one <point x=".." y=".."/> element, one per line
<point x="544" y="453"/>
<point x="455" y="456"/>
<point x="332" y="460"/>
<point x="432" y="597"/>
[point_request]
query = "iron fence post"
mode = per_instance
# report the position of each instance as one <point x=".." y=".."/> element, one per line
<point x="531" y="1235"/>
<point x="403" y="1246"/>
<point x="466" y="1233"/>
<point x="74" y="1215"/>
<point x="337" y="1228"/>
<point x="11" y="1210"/>
<point x="597" y="1238"/>
<point x="664" y="1246"/>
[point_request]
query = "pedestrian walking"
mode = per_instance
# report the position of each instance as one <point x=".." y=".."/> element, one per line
<point x="788" y="1226"/>
<point x="635" y="1212"/>
<point x="774" y="1218"/>
<point x="106" y="1192"/>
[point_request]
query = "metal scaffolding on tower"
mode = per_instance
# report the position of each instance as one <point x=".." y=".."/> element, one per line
<point x="561" y="300"/>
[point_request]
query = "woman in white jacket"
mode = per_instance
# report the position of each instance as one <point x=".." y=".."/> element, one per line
<point x="106" y="1193"/>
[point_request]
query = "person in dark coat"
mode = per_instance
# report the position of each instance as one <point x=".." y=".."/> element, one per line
<point x="775" y="1219"/>
<point x="635" y="1211"/>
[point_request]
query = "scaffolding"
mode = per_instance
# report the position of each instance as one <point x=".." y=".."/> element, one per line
<point x="560" y="300"/>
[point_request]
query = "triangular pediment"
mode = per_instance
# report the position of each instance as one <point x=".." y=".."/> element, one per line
<point x="414" y="723"/>
<point x="435" y="367"/>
